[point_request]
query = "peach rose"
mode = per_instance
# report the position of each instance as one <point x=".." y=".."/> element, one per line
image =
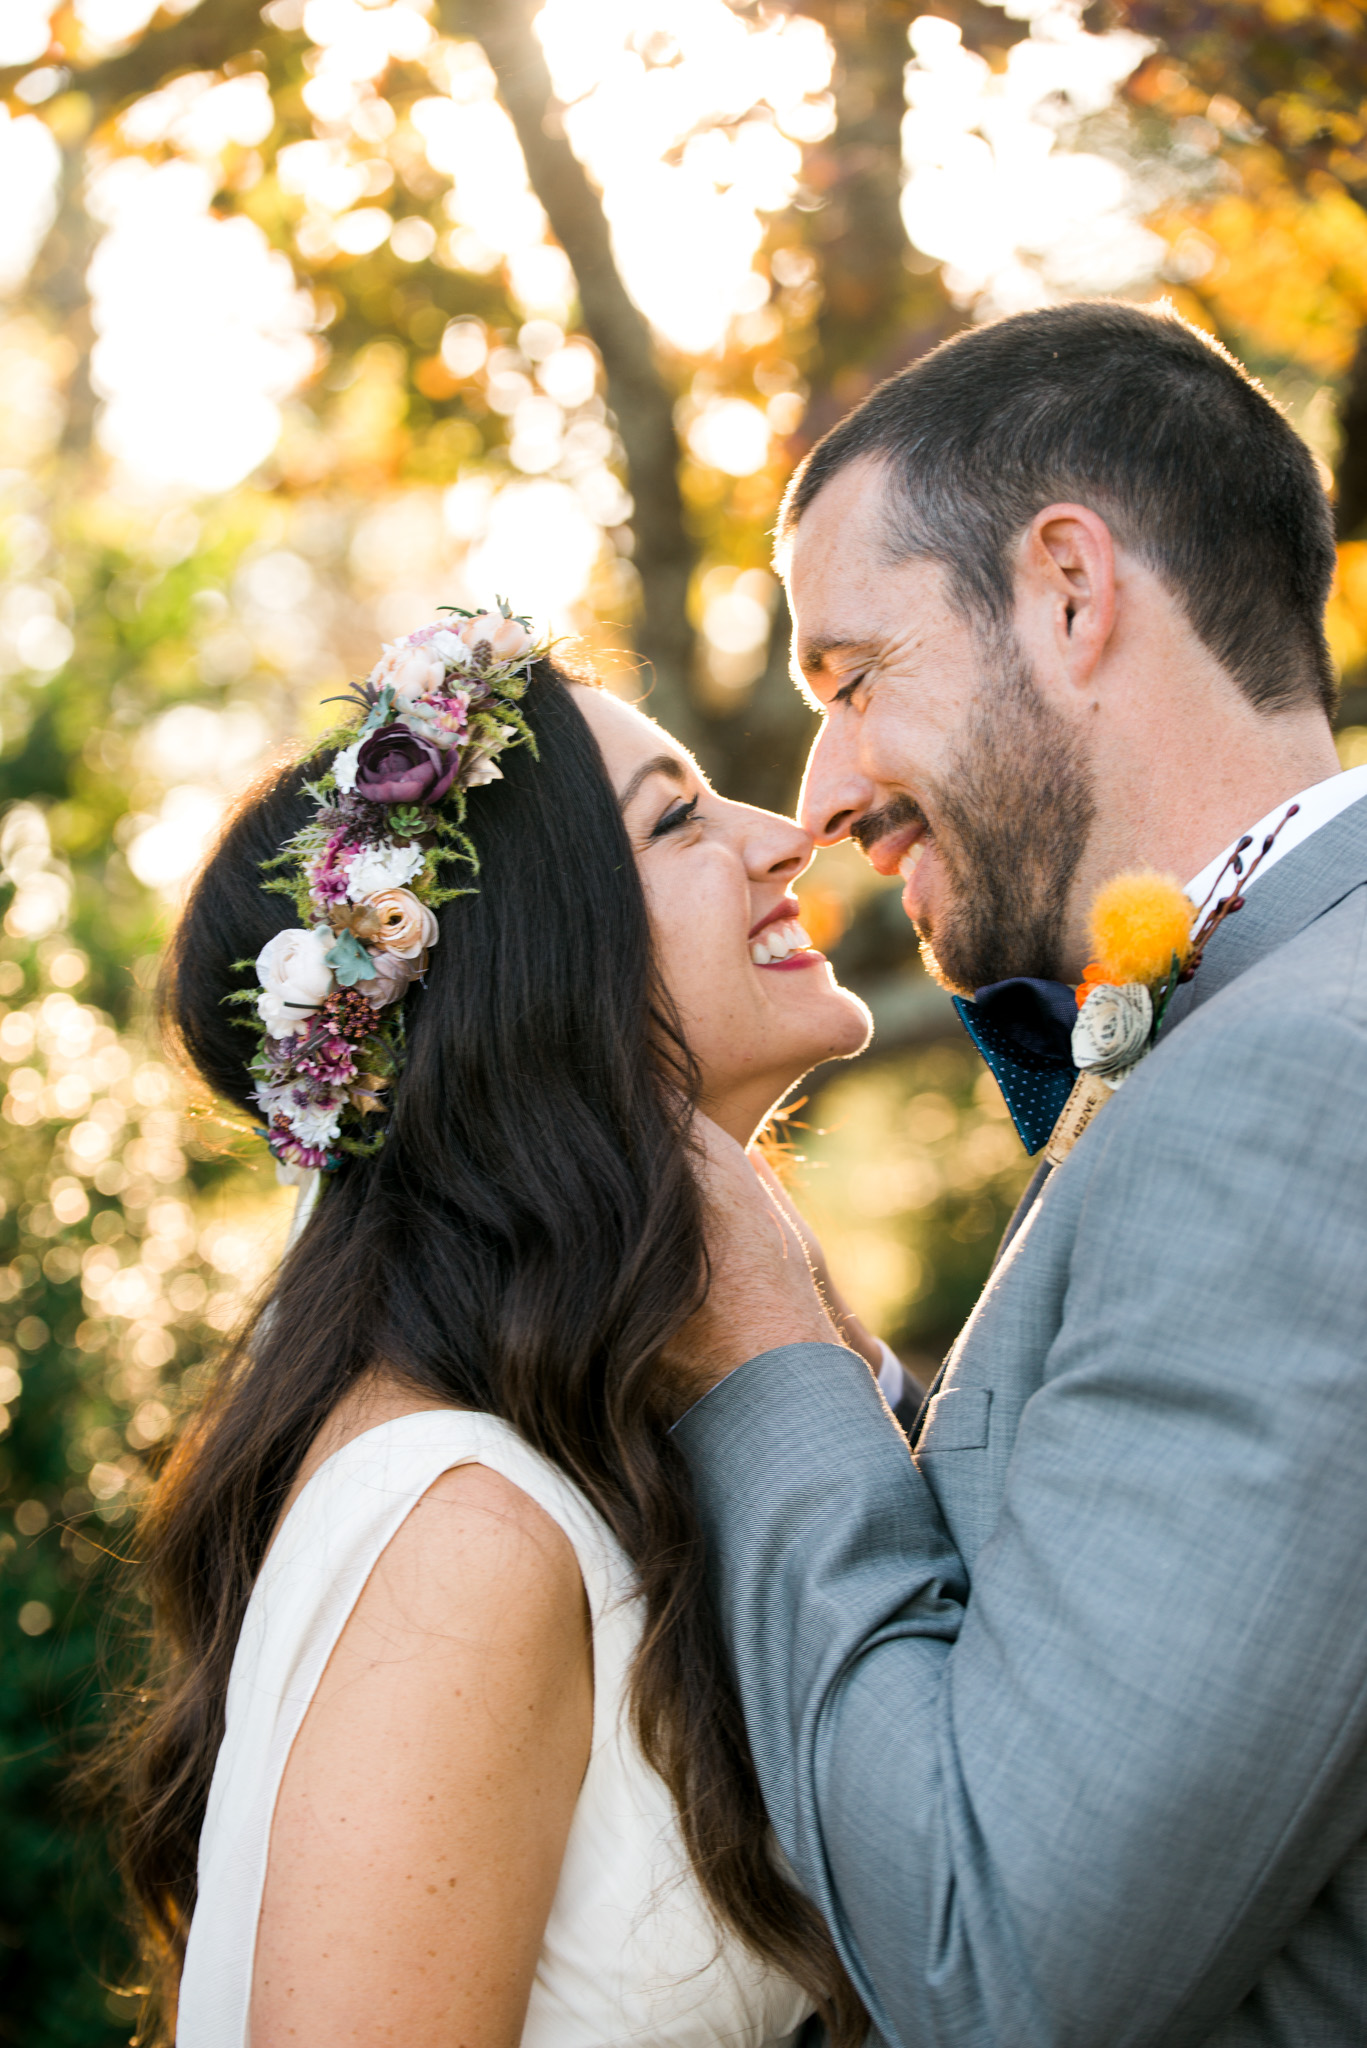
<point x="411" y="672"/>
<point x="396" y="922"/>
<point x="506" y="639"/>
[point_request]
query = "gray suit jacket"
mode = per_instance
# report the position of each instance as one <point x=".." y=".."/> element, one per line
<point x="1062" y="1720"/>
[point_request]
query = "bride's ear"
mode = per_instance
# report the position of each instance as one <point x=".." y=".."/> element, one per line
<point x="1066" y="593"/>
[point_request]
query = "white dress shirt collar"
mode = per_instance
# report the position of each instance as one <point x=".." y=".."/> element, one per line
<point x="1318" y="804"/>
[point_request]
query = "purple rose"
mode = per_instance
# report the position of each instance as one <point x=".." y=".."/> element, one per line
<point x="395" y="766"/>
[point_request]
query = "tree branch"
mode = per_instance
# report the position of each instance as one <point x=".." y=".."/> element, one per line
<point x="637" y="393"/>
<point x="195" y="42"/>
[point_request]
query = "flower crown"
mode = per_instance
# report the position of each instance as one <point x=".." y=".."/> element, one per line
<point x="435" y="713"/>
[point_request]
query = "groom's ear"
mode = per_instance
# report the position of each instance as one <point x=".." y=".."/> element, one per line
<point x="1066" y="592"/>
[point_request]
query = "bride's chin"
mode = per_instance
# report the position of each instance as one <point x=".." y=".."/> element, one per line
<point x="840" y="1027"/>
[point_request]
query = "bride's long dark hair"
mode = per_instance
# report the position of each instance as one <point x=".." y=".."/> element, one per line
<point x="525" y="1242"/>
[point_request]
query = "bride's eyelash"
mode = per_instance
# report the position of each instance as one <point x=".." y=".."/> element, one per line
<point x="682" y="814"/>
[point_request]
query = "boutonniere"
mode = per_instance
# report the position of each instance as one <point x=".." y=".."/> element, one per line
<point x="1147" y="938"/>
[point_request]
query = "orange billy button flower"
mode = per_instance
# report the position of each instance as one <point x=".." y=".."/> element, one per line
<point x="1140" y="925"/>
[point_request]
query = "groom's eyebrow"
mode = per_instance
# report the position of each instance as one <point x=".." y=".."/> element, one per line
<point x="660" y="764"/>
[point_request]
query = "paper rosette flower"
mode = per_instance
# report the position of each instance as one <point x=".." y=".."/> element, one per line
<point x="1112" y="1030"/>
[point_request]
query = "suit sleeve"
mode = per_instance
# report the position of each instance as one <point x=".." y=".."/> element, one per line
<point x="1088" y="1804"/>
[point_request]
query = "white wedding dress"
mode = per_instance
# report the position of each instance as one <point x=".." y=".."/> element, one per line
<point x="631" y="1953"/>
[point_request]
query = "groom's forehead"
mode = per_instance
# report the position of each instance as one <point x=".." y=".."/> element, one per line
<point x="847" y="518"/>
<point x="843" y="617"/>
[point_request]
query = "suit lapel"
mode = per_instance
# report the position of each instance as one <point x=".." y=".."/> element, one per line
<point x="1305" y="884"/>
<point x="1029" y="1196"/>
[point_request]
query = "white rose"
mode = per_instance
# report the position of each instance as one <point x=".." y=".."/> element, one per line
<point x="316" y="1123"/>
<point x="295" y="979"/>
<point x="451" y="648"/>
<point x="1112" y="1030"/>
<point x="385" y="866"/>
<point x="344" y="768"/>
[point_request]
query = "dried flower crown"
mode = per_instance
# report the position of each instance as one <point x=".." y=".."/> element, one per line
<point x="365" y="874"/>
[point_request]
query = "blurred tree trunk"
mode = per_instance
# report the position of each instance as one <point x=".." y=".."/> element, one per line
<point x="639" y="397"/>
<point x="877" y="314"/>
<point x="1351" y="474"/>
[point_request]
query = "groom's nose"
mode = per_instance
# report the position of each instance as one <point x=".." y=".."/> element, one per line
<point x="835" y="794"/>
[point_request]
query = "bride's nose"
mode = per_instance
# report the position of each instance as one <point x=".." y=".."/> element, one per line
<point x="776" y="849"/>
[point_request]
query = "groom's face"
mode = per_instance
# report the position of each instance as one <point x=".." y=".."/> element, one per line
<point x="938" y="753"/>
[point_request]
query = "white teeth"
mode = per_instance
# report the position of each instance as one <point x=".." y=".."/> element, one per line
<point x="777" y="941"/>
<point x="911" y="860"/>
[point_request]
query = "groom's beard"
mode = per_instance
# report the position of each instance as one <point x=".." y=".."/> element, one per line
<point x="1010" y="823"/>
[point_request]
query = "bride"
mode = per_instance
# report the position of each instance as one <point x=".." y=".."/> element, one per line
<point x="443" y="1748"/>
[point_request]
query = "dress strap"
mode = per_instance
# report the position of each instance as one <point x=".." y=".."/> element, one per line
<point x="357" y="1500"/>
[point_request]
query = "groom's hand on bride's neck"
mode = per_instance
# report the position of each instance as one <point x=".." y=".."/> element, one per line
<point x="762" y="1292"/>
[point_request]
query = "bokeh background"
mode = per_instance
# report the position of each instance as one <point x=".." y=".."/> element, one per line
<point x="316" y="315"/>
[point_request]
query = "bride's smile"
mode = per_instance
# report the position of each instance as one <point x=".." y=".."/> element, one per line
<point x="758" y="1002"/>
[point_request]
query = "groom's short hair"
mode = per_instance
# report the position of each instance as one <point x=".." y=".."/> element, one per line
<point x="1141" y="416"/>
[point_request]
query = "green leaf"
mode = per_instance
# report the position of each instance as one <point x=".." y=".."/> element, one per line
<point x="380" y="712"/>
<point x="349" y="960"/>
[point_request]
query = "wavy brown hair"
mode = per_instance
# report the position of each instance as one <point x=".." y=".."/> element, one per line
<point x="525" y="1243"/>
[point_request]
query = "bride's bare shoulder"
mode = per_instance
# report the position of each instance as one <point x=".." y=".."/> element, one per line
<point x="380" y="1397"/>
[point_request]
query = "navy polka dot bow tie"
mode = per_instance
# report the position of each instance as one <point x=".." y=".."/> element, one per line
<point x="1024" y="1030"/>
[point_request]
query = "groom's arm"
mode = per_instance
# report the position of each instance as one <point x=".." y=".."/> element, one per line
<point x="1089" y="1805"/>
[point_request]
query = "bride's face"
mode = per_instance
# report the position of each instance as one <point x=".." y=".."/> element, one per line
<point x="759" y="1005"/>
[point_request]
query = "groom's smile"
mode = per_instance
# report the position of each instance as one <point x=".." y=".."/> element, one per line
<point x="940" y="754"/>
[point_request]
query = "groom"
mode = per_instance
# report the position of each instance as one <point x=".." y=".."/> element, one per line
<point x="1062" y="1719"/>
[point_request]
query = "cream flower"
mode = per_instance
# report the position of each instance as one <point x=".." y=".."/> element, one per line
<point x="317" y="1123"/>
<point x="506" y="639"/>
<point x="394" y="921"/>
<point x="407" y="670"/>
<point x="345" y="766"/>
<point x="385" y="866"/>
<point x="1112" y="1030"/>
<point x="295" y="979"/>
<point x="451" y="648"/>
